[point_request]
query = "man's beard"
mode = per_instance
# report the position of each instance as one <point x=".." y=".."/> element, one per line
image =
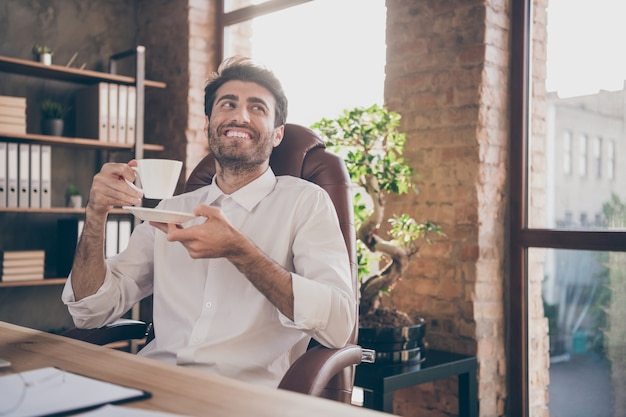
<point x="231" y="155"/>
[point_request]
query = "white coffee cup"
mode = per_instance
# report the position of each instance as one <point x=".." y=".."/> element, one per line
<point x="157" y="177"/>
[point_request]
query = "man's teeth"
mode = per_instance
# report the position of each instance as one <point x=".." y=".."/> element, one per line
<point x="233" y="134"/>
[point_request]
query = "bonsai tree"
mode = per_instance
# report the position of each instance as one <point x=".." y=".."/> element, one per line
<point x="371" y="145"/>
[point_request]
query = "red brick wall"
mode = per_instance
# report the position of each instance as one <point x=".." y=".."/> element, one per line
<point x="447" y="75"/>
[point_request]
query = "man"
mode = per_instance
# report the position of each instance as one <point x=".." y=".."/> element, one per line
<point x="241" y="289"/>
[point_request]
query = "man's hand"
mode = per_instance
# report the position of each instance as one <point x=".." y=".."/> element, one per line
<point x="215" y="238"/>
<point x="109" y="188"/>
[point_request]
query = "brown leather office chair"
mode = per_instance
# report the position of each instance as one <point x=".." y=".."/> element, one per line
<point x="323" y="372"/>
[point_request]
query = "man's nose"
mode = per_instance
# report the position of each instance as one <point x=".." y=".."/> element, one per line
<point x="241" y="115"/>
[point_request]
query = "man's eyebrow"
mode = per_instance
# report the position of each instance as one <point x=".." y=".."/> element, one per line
<point x="231" y="97"/>
<point x="258" y="100"/>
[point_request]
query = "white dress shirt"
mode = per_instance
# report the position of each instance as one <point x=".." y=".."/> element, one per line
<point x="206" y="313"/>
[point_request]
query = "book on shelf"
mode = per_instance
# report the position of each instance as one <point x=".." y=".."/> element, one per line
<point x="113" y="113"/>
<point x="22" y="269"/>
<point x="13" y="115"/>
<point x="33" y="254"/>
<point x="14" y="263"/>
<point x="131" y="111"/>
<point x="13" y="120"/>
<point x="3" y="174"/>
<point x="122" y="112"/>
<point x="45" y="186"/>
<point x="35" y="175"/>
<point x="12" y="129"/>
<point x="12" y="170"/>
<point x="23" y="197"/>
<point x="22" y="277"/>
<point x="22" y="265"/>
<point x="8" y="111"/>
<point x="11" y="101"/>
<point x="92" y="112"/>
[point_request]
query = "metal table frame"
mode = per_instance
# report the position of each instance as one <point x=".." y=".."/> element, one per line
<point x="380" y="381"/>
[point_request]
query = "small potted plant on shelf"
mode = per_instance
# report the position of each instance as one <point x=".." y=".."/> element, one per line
<point x="43" y="54"/>
<point x="372" y="147"/>
<point x="74" y="199"/>
<point x="52" y="113"/>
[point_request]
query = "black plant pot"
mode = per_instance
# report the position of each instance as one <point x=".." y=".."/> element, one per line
<point x="395" y="345"/>
<point x="52" y="127"/>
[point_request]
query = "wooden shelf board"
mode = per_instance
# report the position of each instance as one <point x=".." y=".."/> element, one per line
<point x="61" y="73"/>
<point x="55" y="210"/>
<point x="34" y="282"/>
<point x="73" y="142"/>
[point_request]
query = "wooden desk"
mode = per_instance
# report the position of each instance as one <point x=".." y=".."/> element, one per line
<point x="174" y="389"/>
<point x="380" y="381"/>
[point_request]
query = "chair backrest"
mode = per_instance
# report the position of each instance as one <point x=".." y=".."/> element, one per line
<point x="303" y="154"/>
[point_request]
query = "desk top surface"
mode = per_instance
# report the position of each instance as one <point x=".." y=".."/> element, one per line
<point x="174" y="389"/>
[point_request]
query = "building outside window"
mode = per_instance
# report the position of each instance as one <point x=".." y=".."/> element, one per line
<point x="582" y="155"/>
<point x="567" y="152"/>
<point x="610" y="159"/>
<point x="597" y="156"/>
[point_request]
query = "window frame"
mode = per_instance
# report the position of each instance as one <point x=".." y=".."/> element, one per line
<point x="521" y="236"/>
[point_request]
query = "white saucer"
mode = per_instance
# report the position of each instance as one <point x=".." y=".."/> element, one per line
<point x="162" y="216"/>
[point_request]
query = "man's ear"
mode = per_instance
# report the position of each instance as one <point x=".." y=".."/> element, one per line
<point x="279" y="132"/>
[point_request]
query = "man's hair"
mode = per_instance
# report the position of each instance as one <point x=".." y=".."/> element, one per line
<point x="244" y="69"/>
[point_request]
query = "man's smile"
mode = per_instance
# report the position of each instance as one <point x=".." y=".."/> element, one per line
<point x="237" y="133"/>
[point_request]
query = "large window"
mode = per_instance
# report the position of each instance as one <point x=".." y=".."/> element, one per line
<point x="568" y="233"/>
<point x="328" y="56"/>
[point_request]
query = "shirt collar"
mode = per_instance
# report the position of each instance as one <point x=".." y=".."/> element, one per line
<point x="249" y="195"/>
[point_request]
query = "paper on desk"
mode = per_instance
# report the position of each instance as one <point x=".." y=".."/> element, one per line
<point x="117" y="411"/>
<point x="51" y="390"/>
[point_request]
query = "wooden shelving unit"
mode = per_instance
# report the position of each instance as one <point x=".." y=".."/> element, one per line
<point x="27" y="68"/>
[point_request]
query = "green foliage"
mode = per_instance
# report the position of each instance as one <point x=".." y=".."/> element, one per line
<point x="52" y="109"/>
<point x="371" y="144"/>
<point x="615" y="211"/>
<point x="42" y="49"/>
<point x="372" y="147"/>
<point x="72" y="190"/>
<point x="405" y="231"/>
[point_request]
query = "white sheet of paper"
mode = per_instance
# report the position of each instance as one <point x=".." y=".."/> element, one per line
<point x="52" y="390"/>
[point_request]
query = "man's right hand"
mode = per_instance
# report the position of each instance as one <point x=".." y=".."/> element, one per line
<point x="109" y="188"/>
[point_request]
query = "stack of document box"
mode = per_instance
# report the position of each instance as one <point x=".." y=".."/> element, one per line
<point x="22" y="265"/>
<point x="25" y="175"/>
<point x="106" y="112"/>
<point x="13" y="115"/>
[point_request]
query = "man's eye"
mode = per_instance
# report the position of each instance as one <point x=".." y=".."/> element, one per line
<point x="259" y="108"/>
<point x="228" y="104"/>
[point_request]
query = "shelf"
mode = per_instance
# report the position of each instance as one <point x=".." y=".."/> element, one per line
<point x="74" y="142"/>
<point x="55" y="210"/>
<point x="34" y="282"/>
<point x="61" y="73"/>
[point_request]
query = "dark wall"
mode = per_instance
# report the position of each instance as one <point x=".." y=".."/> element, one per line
<point x="94" y="29"/>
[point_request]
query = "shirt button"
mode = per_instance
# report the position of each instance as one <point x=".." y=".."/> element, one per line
<point x="208" y="305"/>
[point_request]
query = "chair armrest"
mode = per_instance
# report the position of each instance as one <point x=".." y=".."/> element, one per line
<point x="311" y="372"/>
<point x="120" y="330"/>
